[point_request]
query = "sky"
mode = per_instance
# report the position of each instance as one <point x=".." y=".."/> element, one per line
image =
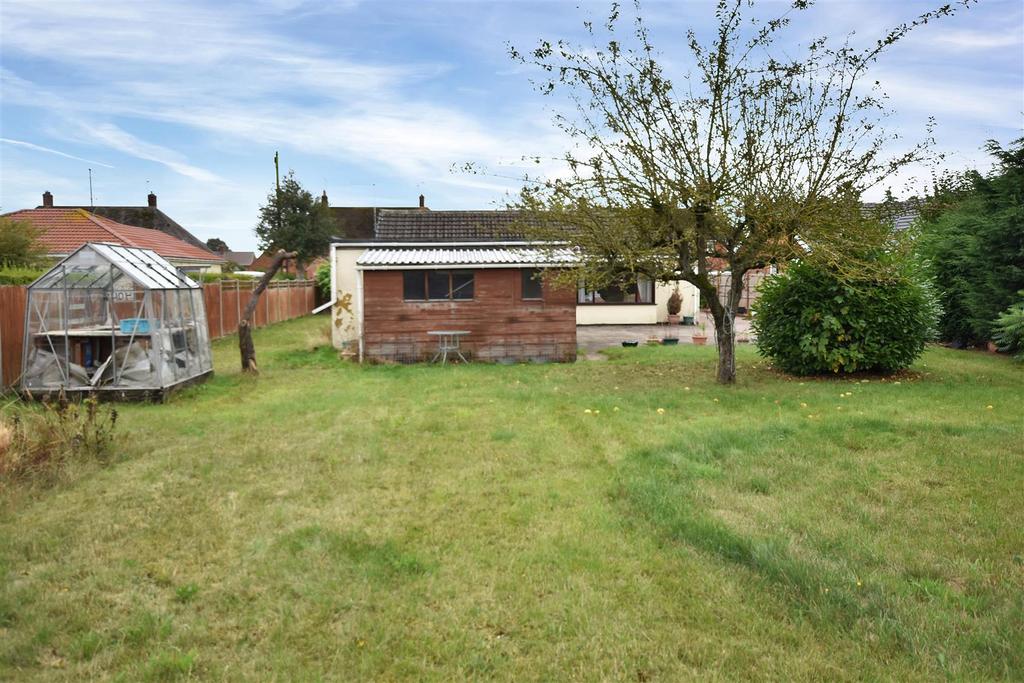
<point x="378" y="101"/>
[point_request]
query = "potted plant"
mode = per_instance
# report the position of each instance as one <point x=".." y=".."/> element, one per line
<point x="701" y="339"/>
<point x="675" y="304"/>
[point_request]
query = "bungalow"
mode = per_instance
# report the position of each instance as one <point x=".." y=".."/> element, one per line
<point x="471" y="271"/>
<point x="64" y="230"/>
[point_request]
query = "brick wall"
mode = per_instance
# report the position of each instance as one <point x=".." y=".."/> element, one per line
<point x="501" y="325"/>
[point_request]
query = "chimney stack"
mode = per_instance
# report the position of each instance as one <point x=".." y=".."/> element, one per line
<point x="423" y="202"/>
<point x="47" y="198"/>
<point x="152" y="200"/>
<point x="323" y="199"/>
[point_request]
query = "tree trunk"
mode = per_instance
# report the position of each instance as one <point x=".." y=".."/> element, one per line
<point x="725" y="339"/>
<point x="725" y="328"/>
<point x="245" y="344"/>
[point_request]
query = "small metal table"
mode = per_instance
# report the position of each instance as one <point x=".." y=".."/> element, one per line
<point x="448" y="342"/>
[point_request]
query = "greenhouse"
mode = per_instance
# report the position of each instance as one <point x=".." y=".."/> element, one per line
<point x="115" y="320"/>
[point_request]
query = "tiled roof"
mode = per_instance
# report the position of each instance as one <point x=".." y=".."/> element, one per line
<point x="143" y="217"/>
<point x="65" y="229"/>
<point x="465" y="256"/>
<point x="419" y="225"/>
<point x="242" y="258"/>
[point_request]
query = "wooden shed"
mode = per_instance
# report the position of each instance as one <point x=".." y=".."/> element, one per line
<point x="499" y="296"/>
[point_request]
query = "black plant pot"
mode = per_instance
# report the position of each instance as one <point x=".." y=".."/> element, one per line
<point x="687" y="319"/>
<point x="668" y="341"/>
<point x="631" y="344"/>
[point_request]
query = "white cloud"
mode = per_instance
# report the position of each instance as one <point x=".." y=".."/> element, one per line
<point x="979" y="40"/>
<point x="109" y="135"/>
<point x="40" y="148"/>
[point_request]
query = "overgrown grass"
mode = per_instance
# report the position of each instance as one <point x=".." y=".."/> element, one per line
<point x="384" y="522"/>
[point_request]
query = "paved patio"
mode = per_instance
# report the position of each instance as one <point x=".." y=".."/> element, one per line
<point x="592" y="338"/>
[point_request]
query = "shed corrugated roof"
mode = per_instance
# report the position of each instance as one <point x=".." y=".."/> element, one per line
<point x="512" y="256"/>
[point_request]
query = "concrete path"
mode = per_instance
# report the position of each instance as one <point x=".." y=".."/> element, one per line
<point x="592" y="338"/>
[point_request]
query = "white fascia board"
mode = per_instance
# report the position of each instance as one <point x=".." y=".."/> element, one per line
<point x="477" y="266"/>
<point x="440" y="244"/>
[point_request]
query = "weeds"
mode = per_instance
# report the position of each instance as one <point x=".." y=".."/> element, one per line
<point x="39" y="445"/>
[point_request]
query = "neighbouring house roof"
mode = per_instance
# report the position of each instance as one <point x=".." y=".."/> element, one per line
<point x="144" y="217"/>
<point x="63" y="230"/>
<point x="359" y="222"/>
<point x="417" y="225"/>
<point x="242" y="258"/>
<point x="454" y="256"/>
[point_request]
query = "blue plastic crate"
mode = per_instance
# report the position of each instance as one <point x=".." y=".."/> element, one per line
<point x="138" y="325"/>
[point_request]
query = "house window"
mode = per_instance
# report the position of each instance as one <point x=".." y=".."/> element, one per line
<point x="532" y="285"/>
<point x="437" y="285"/>
<point x="639" y="292"/>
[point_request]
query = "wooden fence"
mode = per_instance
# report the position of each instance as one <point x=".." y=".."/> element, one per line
<point x="225" y="301"/>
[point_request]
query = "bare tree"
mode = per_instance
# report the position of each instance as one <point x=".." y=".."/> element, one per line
<point x="751" y="158"/>
<point x="245" y="343"/>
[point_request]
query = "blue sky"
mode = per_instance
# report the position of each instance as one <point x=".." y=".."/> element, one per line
<point x="375" y="101"/>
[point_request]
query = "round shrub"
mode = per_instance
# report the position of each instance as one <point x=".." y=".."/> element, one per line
<point x="811" y="321"/>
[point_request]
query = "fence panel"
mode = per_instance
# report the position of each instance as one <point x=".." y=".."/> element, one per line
<point x="12" y="332"/>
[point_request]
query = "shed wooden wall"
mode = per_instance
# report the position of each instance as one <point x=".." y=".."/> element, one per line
<point x="501" y="325"/>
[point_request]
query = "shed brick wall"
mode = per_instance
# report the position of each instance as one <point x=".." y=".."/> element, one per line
<point x="501" y="325"/>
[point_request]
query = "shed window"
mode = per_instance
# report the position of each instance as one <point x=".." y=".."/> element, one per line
<point x="437" y="285"/>
<point x="414" y="285"/>
<point x="532" y="286"/>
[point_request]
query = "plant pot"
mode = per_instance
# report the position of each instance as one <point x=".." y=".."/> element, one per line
<point x="700" y="340"/>
<point x="632" y="343"/>
<point x="687" y="319"/>
<point x="669" y="341"/>
<point x="673" y="318"/>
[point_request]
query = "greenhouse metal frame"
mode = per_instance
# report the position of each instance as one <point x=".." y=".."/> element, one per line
<point x="115" y="320"/>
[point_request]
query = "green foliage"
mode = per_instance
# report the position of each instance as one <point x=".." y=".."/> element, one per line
<point x="19" y="244"/>
<point x="811" y="321"/>
<point x="294" y="220"/>
<point x="216" y="244"/>
<point x="1009" y="330"/>
<point x="323" y="279"/>
<point x="41" y="444"/>
<point x="972" y="244"/>
<point x="217" y="277"/>
<point x="19" y="275"/>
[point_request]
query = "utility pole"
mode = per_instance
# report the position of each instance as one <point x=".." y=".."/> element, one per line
<point x="91" y="205"/>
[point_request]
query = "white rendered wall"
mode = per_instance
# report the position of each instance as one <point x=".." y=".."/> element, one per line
<point x="345" y="312"/>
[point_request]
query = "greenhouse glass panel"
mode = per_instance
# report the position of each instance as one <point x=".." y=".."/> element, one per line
<point x="113" y="318"/>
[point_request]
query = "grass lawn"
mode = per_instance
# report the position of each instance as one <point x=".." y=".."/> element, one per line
<point x="330" y="521"/>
